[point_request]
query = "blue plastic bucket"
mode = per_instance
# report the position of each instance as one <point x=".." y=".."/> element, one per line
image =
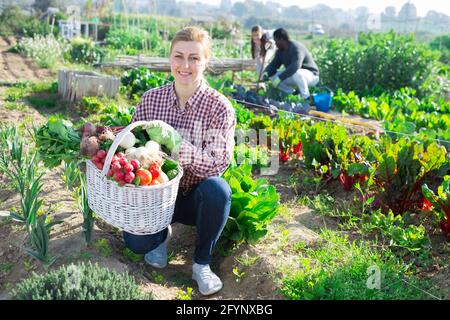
<point x="322" y="101"/>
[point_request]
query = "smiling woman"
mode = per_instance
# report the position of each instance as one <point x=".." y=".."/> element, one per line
<point x="206" y="121"/>
<point x="189" y="55"/>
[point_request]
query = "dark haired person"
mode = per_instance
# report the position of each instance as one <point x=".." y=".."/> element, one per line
<point x="262" y="47"/>
<point x="300" y="71"/>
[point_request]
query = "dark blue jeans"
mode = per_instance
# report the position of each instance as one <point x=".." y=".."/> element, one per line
<point x="206" y="206"/>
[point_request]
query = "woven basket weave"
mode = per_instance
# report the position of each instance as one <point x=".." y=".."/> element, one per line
<point x="138" y="210"/>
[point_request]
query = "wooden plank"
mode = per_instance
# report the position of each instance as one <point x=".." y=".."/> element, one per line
<point x="215" y="65"/>
<point x="73" y="85"/>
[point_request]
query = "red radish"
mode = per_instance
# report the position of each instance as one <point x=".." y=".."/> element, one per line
<point x="129" y="177"/>
<point x="120" y="155"/>
<point x="110" y="173"/>
<point x="123" y="162"/>
<point x="99" y="166"/>
<point x="128" y="167"/>
<point x="101" y="154"/>
<point x="116" y="166"/>
<point x="122" y="182"/>
<point x="135" y="164"/>
<point x="115" y="159"/>
<point x="95" y="159"/>
<point x="119" y="175"/>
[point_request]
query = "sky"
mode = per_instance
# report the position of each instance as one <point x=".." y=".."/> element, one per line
<point x="375" y="6"/>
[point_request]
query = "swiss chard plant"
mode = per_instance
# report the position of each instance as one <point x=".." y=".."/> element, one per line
<point x="441" y="203"/>
<point x="402" y="169"/>
<point x="254" y="203"/>
<point x="289" y="128"/>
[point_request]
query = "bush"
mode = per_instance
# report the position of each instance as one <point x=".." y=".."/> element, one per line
<point x="376" y="63"/>
<point x="79" y="282"/>
<point x="11" y="21"/>
<point x="85" y="51"/>
<point x="14" y="22"/>
<point x="442" y="43"/>
<point x="141" y="79"/>
<point x="45" y="50"/>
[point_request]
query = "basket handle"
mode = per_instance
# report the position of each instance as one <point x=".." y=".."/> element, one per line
<point x="117" y="140"/>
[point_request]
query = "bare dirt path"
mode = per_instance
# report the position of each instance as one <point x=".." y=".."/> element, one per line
<point x="15" y="67"/>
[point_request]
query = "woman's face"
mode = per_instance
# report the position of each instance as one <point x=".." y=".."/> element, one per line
<point x="256" y="36"/>
<point x="187" y="62"/>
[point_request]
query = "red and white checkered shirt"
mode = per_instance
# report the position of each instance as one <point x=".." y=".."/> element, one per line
<point x="206" y="124"/>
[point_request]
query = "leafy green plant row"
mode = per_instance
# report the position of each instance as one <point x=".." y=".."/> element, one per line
<point x="401" y="111"/>
<point x="391" y="170"/>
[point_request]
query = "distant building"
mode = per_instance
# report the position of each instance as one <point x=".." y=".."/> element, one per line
<point x="316" y="29"/>
<point x="202" y="19"/>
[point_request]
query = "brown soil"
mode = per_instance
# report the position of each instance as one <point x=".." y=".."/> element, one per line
<point x="15" y="67"/>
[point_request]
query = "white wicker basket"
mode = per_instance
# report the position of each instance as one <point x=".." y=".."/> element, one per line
<point x="138" y="210"/>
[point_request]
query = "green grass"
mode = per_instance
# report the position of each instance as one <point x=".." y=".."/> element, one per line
<point x="184" y="295"/>
<point x="102" y="246"/>
<point x="38" y="94"/>
<point x="338" y="270"/>
<point x="131" y="256"/>
<point x="247" y="260"/>
<point x="43" y="102"/>
<point x="6" y="267"/>
<point x="14" y="105"/>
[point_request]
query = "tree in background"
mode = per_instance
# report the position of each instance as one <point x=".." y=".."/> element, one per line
<point x="42" y="5"/>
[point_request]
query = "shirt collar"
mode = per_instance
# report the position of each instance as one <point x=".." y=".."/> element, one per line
<point x="194" y="100"/>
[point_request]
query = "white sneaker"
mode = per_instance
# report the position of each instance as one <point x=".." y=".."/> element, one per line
<point x="208" y="282"/>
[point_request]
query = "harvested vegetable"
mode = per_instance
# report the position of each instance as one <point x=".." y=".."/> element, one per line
<point x="154" y="170"/>
<point x="169" y="165"/>
<point x="89" y="146"/>
<point x="57" y="141"/>
<point x="163" y="178"/>
<point x="128" y="141"/>
<point x="164" y="134"/>
<point x="153" y="146"/>
<point x="148" y="159"/>
<point x="88" y="130"/>
<point x="143" y="177"/>
<point x="172" y="174"/>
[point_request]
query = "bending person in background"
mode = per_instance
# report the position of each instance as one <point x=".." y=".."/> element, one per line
<point x="300" y="71"/>
<point x="263" y="49"/>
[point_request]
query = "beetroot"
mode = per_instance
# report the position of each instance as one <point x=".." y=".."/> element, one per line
<point x="89" y="146"/>
<point x="101" y="154"/>
<point x="88" y="130"/>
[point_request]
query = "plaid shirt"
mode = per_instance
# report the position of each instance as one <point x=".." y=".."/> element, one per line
<point x="206" y="124"/>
